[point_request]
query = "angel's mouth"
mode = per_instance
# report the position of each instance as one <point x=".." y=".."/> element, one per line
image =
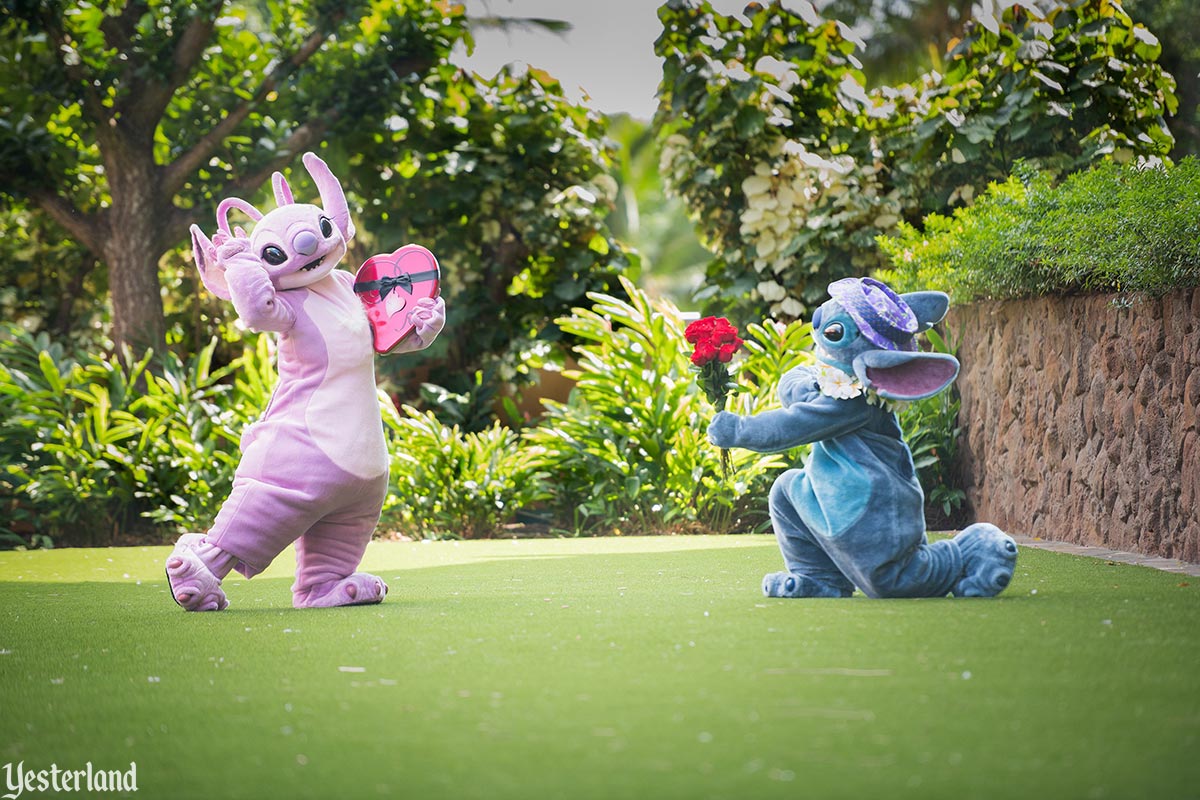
<point x="312" y="264"/>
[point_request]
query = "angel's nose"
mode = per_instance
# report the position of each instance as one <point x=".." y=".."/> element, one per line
<point x="305" y="243"/>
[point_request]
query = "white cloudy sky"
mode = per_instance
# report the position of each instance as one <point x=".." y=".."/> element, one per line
<point x="609" y="53"/>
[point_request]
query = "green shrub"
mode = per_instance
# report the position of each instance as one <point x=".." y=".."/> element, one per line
<point x="196" y="416"/>
<point x="931" y="429"/>
<point x="97" y="452"/>
<point x="449" y="484"/>
<point x="790" y="168"/>
<point x="91" y="447"/>
<point x="628" y="452"/>
<point x="1109" y="229"/>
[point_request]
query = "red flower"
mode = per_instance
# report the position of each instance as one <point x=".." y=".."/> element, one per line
<point x="705" y="352"/>
<point x="699" y="330"/>
<point x="714" y="342"/>
<point x="723" y="332"/>
<point x="714" y="339"/>
<point x="726" y="351"/>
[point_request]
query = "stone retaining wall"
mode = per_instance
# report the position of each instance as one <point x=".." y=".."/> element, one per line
<point x="1080" y="419"/>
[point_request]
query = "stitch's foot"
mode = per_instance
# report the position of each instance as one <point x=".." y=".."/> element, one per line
<point x="193" y="585"/>
<point x="989" y="558"/>
<point x="360" y="589"/>
<point x="790" y="584"/>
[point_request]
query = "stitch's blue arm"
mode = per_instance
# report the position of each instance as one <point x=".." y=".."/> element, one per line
<point x="808" y="417"/>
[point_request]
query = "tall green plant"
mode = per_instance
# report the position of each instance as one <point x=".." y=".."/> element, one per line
<point x="628" y="452"/>
<point x="932" y="431"/>
<point x="195" y="416"/>
<point x="91" y="447"/>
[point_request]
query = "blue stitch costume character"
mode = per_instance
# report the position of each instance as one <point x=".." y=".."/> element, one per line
<point x="854" y="515"/>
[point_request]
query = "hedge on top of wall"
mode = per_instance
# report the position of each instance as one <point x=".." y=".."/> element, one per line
<point x="1113" y="228"/>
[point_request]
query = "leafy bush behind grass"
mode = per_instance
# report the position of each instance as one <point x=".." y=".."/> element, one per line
<point x="90" y="446"/>
<point x="97" y="452"/>
<point x="1109" y="229"/>
<point x="446" y="483"/>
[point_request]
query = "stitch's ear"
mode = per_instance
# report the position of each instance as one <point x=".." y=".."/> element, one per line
<point x="905" y="375"/>
<point x="333" y="200"/>
<point x="283" y="192"/>
<point x="929" y="307"/>
<point x="212" y="274"/>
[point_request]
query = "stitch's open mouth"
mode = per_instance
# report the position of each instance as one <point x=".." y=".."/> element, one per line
<point x="312" y="264"/>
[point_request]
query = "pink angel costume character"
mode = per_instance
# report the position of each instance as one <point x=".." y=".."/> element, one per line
<point x="314" y="467"/>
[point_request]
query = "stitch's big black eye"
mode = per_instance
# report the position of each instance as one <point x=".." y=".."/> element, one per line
<point x="326" y="227"/>
<point x="834" y="332"/>
<point x="273" y="255"/>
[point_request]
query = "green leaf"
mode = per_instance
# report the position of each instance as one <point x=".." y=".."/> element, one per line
<point x="749" y="121"/>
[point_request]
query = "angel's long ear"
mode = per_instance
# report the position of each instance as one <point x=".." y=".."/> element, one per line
<point x="238" y="203"/>
<point x="333" y="199"/>
<point x="283" y="192"/>
<point x="212" y="274"/>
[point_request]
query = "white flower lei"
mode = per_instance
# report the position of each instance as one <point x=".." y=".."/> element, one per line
<point x="833" y="382"/>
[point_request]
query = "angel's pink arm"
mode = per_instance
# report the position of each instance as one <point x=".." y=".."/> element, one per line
<point x="254" y="298"/>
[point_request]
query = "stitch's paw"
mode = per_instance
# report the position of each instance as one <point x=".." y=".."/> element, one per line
<point x="722" y="431"/>
<point x="360" y="589"/>
<point x="790" y="584"/>
<point x="193" y="586"/>
<point x="989" y="558"/>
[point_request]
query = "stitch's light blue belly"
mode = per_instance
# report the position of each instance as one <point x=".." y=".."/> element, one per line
<point x="852" y="478"/>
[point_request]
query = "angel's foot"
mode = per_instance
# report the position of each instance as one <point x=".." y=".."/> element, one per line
<point x="359" y="589"/>
<point x="194" y="585"/>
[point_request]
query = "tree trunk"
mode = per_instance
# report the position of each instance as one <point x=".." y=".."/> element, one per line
<point x="137" y="307"/>
<point x="132" y="249"/>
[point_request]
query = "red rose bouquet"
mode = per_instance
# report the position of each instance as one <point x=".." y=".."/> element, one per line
<point x="714" y="342"/>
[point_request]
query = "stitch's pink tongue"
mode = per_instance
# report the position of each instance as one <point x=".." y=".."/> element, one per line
<point x="911" y="379"/>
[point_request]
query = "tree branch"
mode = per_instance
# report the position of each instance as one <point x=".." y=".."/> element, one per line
<point x="85" y="228"/>
<point x="176" y="173"/>
<point x="176" y="225"/>
<point x="148" y="99"/>
<point x="118" y="30"/>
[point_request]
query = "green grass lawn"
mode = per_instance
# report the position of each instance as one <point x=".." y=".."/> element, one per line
<point x="606" y="668"/>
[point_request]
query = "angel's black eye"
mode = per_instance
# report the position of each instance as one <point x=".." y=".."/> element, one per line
<point x="834" y="332"/>
<point x="273" y="255"/>
<point x="326" y="227"/>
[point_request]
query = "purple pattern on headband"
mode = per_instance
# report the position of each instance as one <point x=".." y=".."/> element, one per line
<point x="883" y="318"/>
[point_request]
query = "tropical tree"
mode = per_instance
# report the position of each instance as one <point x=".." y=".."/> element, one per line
<point x="508" y="183"/>
<point x="905" y="37"/>
<point x="125" y="122"/>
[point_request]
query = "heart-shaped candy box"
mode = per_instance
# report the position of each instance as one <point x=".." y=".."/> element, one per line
<point x="389" y="287"/>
